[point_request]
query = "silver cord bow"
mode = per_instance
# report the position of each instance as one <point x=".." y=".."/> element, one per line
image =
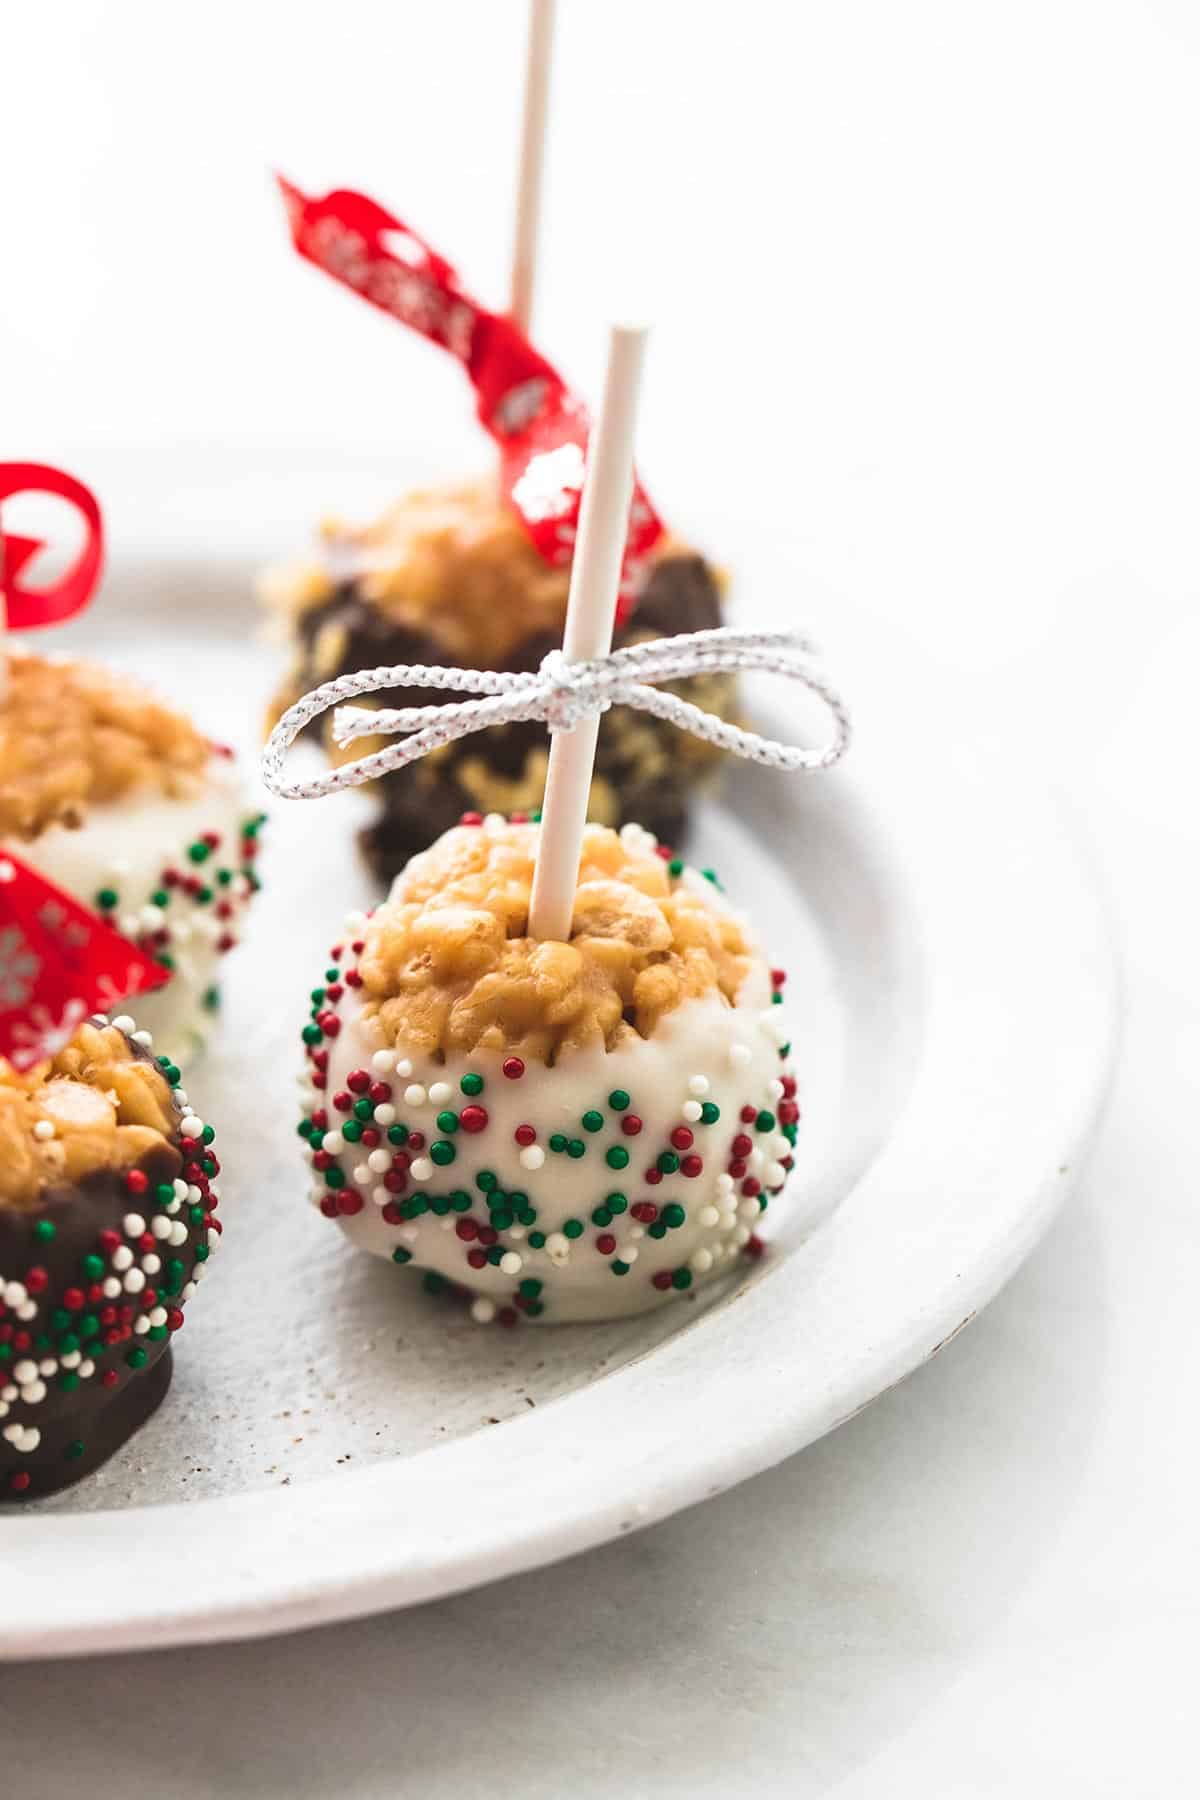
<point x="559" y="694"/>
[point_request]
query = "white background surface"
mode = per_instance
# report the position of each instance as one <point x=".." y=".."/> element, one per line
<point x="926" y="280"/>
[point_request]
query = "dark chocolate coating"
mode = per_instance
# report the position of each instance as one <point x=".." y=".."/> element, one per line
<point x="650" y="767"/>
<point x="81" y="1424"/>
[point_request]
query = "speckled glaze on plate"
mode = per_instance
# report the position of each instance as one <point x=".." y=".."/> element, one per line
<point x="337" y="1442"/>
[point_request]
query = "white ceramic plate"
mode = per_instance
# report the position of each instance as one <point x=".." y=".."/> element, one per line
<point x="336" y="1442"/>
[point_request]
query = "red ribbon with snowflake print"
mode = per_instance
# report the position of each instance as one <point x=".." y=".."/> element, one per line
<point x="59" y="963"/>
<point x="27" y="607"/>
<point x="522" y="401"/>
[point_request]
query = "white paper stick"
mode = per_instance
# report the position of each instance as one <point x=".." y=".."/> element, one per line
<point x="532" y="160"/>
<point x="591" y="613"/>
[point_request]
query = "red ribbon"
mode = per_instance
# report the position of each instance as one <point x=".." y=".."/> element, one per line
<point x="30" y="607"/>
<point x="59" y="963"/>
<point x="540" y="426"/>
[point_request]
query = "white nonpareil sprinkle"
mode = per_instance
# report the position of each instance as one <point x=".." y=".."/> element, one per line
<point x="483" y="1310"/>
<point x="699" y="1086"/>
<point x="422" y="1169"/>
<point x="122" y="1257"/>
<point x="692" y="1111"/>
<point x="740" y="1055"/>
<point x="511" y="1263"/>
<point x="383" y="1062"/>
<point x="415" y="1095"/>
<point x="379" y="1162"/>
<point x="44" y="1130"/>
<point x="385" y="1115"/>
<point x="124" y="1023"/>
<point x="441" y="1093"/>
<point x="133" y="1225"/>
<point x="532" y="1156"/>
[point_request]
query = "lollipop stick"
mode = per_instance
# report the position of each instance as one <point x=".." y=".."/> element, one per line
<point x="591" y="612"/>
<point x="532" y="159"/>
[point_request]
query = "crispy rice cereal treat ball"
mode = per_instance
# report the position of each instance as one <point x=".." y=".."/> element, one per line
<point x="568" y="1131"/>
<point x="121" y="801"/>
<point x="106" y="1227"/>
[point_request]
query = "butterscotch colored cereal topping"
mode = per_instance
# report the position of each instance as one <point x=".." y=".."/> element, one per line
<point x="73" y="735"/>
<point x="453" y="563"/>
<point x="96" y="1105"/>
<point x="447" y="965"/>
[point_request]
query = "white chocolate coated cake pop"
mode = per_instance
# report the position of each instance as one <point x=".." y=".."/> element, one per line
<point x="570" y="1131"/>
<point x="120" y="801"/>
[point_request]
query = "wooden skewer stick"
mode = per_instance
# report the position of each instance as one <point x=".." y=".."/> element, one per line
<point x="591" y="614"/>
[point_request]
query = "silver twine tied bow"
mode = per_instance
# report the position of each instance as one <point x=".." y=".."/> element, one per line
<point x="560" y="694"/>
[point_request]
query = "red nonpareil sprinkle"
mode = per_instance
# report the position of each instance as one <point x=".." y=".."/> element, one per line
<point x="379" y="1092"/>
<point x="789" y="1112"/>
<point x="320" y="1119"/>
<point x="329" y="1206"/>
<point x="109" y="1241"/>
<point x="525" y="1134"/>
<point x="108" y="1315"/>
<point x="395" y="1181"/>
<point x="741" y="1145"/>
<point x="644" y="1211"/>
<point x="665" y="851"/>
<point x="477" y="1258"/>
<point x="402" y="1162"/>
<point x="334" y="991"/>
<point x="507" y="1316"/>
<point x="631" y="1124"/>
<point x="110" y="1378"/>
<point x="466" y="1229"/>
<point x="145" y="1243"/>
<point x="416" y="1141"/>
<point x="74" y="1299"/>
<point x="512" y="1068"/>
<point x="778" y="977"/>
<point x="471" y="818"/>
<point x="518" y="818"/>
<point x="691" y="1166"/>
<point x="342" y="1101"/>
<point x="318" y="1081"/>
<point x="36" y="1280"/>
<point x="606" y="1243"/>
<point x="358" y="946"/>
<point x="473" y="1118"/>
<point x="789" y="1086"/>
<point x="370" y="1137"/>
<point x="322" y="1161"/>
<point x="752" y="1188"/>
<point x="488" y="1235"/>
<point x="330" y="1024"/>
<point x="661" y="1279"/>
<point x="748" y="1115"/>
<point x="682" y="1138"/>
<point x="320" y="1059"/>
<point x="349" y="1203"/>
<point x="19" y="1482"/>
<point x="391" y="1213"/>
<point x="227" y="941"/>
<point x="353" y="978"/>
<point x="754" y="1247"/>
<point x="738" y="1168"/>
<point x="137" y="1181"/>
<point x="358" y="1081"/>
<point x="22" y="1340"/>
<point x="652" y="1177"/>
<point x="174" y="1318"/>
